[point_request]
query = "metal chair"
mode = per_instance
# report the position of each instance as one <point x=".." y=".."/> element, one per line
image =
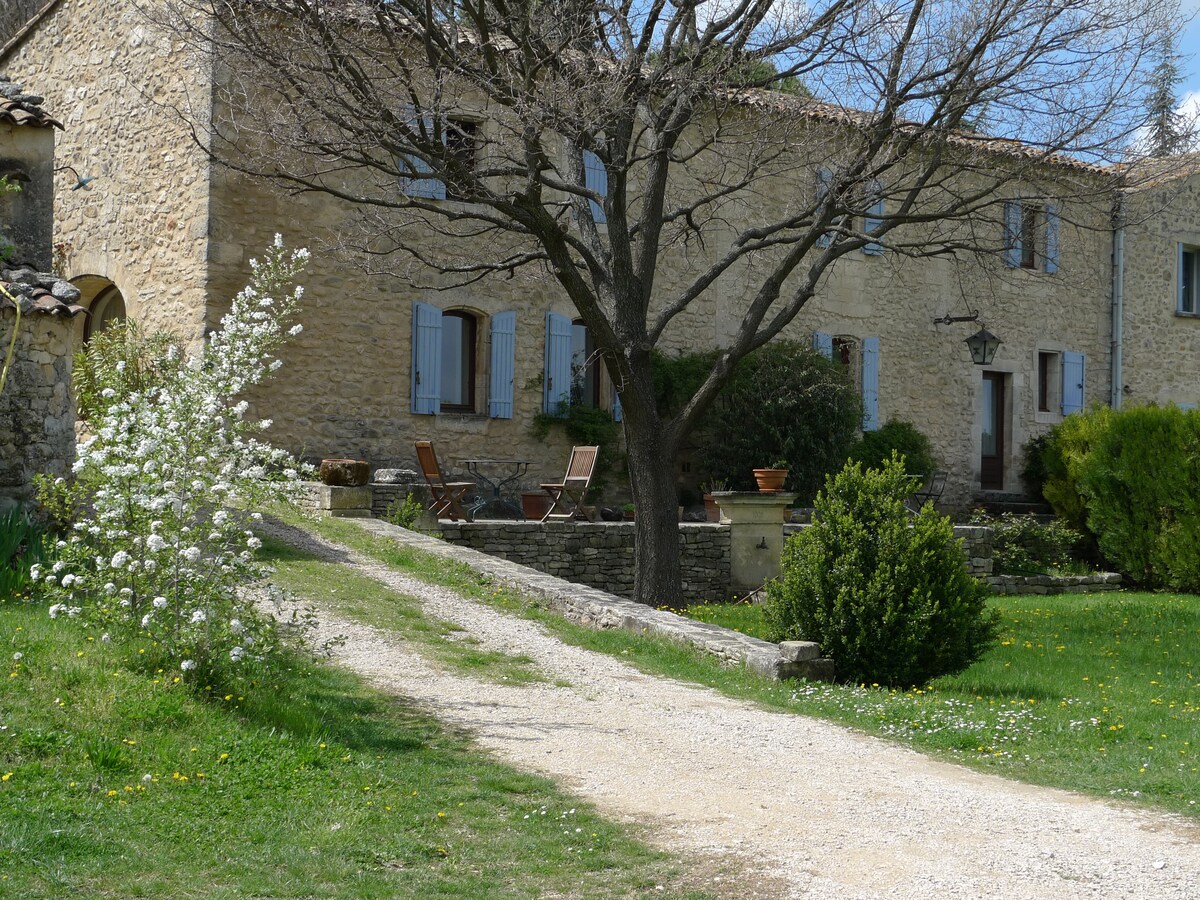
<point x="447" y="495"/>
<point x="929" y="492"/>
<point x="568" y="495"/>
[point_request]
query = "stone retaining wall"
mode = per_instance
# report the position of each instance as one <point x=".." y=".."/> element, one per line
<point x="595" y="608"/>
<point x="977" y="545"/>
<point x="1055" y="584"/>
<point x="600" y="553"/>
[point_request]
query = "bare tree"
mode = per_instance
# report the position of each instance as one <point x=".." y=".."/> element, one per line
<point x="909" y="114"/>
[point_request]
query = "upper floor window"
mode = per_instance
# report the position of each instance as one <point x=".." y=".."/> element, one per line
<point x="1187" y="302"/>
<point x="461" y="139"/>
<point x="1031" y="235"/>
<point x="462" y="146"/>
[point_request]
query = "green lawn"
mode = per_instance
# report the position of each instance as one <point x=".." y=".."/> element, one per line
<point x="1094" y="692"/>
<point x="121" y="783"/>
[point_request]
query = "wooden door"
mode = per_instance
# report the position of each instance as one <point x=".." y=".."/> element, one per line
<point x="991" y="460"/>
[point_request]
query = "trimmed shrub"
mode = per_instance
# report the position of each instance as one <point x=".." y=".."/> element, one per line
<point x="1066" y="449"/>
<point x="896" y="436"/>
<point x="785" y="401"/>
<point x="886" y="594"/>
<point x="1141" y="484"/>
<point x="1033" y="468"/>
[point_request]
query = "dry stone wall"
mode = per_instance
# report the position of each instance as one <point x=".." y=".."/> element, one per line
<point x="37" y="417"/>
<point x="599" y="554"/>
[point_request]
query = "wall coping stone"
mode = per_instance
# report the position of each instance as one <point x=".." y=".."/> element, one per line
<point x="598" y="608"/>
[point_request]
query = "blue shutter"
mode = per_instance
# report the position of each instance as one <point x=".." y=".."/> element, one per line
<point x="557" y="385"/>
<point x="427" y="360"/>
<point x="503" y="365"/>
<point x="617" y="414"/>
<point x="427" y="188"/>
<point x="595" y="178"/>
<point x="870" y="383"/>
<point x="824" y="183"/>
<point x="823" y="344"/>
<point x="1072" y="382"/>
<point x="1180" y="299"/>
<point x="1053" y="222"/>
<point x="873" y="220"/>
<point x="1012" y="233"/>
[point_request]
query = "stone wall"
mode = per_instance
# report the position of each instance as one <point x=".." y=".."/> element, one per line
<point x="1055" y="584"/>
<point x="976" y="540"/>
<point x="599" y="554"/>
<point x="122" y="91"/>
<point x="37" y="418"/>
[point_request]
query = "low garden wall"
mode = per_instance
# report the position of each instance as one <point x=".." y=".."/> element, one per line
<point x="1055" y="584"/>
<point x="977" y="546"/>
<point x="600" y="554"/>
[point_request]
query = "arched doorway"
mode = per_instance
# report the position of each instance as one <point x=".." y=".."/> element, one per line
<point x="104" y="302"/>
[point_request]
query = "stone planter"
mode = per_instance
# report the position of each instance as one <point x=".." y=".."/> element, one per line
<point x="712" y="512"/>
<point x="344" y="472"/>
<point x="770" y="481"/>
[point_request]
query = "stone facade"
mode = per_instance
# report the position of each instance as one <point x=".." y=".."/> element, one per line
<point x="180" y="249"/>
<point x="600" y="554"/>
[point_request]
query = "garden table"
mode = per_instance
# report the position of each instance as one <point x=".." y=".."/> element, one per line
<point x="497" y="474"/>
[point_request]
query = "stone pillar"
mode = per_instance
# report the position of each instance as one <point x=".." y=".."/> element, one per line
<point x="755" y="535"/>
<point x="345" y="502"/>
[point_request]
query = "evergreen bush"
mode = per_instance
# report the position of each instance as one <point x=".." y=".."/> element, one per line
<point x="784" y="401"/>
<point x="884" y="593"/>
<point x="1025" y="545"/>
<point x="896" y="436"/>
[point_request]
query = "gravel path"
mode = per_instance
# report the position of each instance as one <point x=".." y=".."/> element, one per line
<point x="803" y="808"/>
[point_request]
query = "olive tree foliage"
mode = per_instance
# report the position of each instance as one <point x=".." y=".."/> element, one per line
<point x="912" y="102"/>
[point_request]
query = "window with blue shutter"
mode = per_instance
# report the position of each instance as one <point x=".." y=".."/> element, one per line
<point x="413" y="168"/>
<point x="426" y="360"/>
<point x="1053" y="224"/>
<point x="1012" y="233"/>
<point x="1072" y="382"/>
<point x="870" y="383"/>
<point x="823" y="344"/>
<point x="556" y="389"/>
<point x="503" y="365"/>
<point x="595" y="178"/>
<point x="873" y="220"/>
<point x="824" y="183"/>
<point x="1187" y="294"/>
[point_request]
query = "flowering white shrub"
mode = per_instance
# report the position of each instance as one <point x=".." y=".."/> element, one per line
<point x="167" y="487"/>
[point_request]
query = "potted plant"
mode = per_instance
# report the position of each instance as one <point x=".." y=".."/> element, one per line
<point x="627" y="512"/>
<point x="771" y="478"/>
<point x="714" y="485"/>
<point x="344" y="472"/>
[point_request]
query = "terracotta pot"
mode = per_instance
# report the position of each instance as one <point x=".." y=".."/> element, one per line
<point x="711" y="510"/>
<point x="535" y="504"/>
<point x="628" y="516"/>
<point x="345" y="472"/>
<point x="770" y="481"/>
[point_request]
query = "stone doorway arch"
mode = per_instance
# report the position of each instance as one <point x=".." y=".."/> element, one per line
<point x="104" y="302"/>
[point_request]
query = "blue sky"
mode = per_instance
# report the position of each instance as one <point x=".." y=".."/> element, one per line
<point x="1189" y="48"/>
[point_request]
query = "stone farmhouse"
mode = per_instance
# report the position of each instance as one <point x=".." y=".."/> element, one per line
<point x="1089" y="310"/>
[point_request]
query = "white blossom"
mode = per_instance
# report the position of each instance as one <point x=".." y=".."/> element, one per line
<point x="187" y="665"/>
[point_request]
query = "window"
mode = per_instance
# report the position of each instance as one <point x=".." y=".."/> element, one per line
<point x="585" y="367"/>
<point x="107" y="308"/>
<point x="1048" y="381"/>
<point x="1188" y="304"/>
<point x="824" y="183"/>
<point x="445" y="357"/>
<point x="862" y="361"/>
<point x="1031" y="235"/>
<point x="458" y="362"/>
<point x="595" y="178"/>
<point x="462" y="148"/>
<point x="873" y="219"/>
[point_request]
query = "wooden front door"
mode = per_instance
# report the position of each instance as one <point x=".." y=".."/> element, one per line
<point x="991" y="459"/>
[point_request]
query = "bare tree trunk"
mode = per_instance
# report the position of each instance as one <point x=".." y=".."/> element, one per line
<point x="651" y="461"/>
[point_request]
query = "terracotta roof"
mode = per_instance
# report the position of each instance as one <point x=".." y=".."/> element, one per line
<point x="20" y="108"/>
<point x="39" y="292"/>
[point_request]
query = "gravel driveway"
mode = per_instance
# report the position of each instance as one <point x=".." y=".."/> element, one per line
<point x="800" y="807"/>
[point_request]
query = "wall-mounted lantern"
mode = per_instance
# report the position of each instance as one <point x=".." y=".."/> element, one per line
<point x="982" y="344"/>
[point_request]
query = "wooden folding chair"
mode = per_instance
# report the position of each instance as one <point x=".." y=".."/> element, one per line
<point x="447" y="495"/>
<point x="930" y="491"/>
<point x="568" y="495"/>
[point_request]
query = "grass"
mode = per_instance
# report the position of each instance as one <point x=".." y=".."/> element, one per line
<point x="116" y="782"/>
<point x="1091" y="692"/>
<point x="308" y="578"/>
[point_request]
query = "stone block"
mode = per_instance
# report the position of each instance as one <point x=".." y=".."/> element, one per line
<point x="799" y="651"/>
<point x="345" y="498"/>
